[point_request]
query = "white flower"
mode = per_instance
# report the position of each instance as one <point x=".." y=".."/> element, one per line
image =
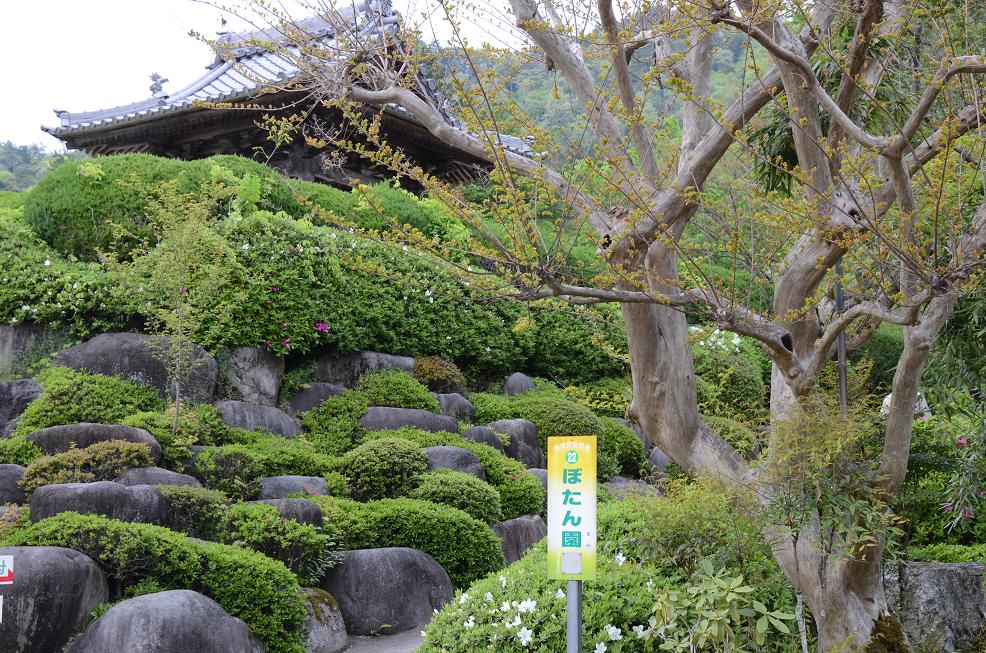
<point x="25" y="307"/>
<point x="47" y="262"/>
<point x="640" y="631"/>
<point x="525" y="635"/>
<point x="503" y="581"/>
<point x="505" y="606"/>
<point x="620" y="558"/>
<point x="463" y="598"/>
<point x="246" y="246"/>
<point x="701" y="342"/>
<point x="469" y="623"/>
<point x="600" y="648"/>
<point x="560" y="594"/>
<point x="404" y="248"/>
<point x="431" y="300"/>
<point x="615" y="634"/>
<point x="527" y="605"/>
<point x="488" y="597"/>
<point x="515" y="623"/>
<point x="428" y="293"/>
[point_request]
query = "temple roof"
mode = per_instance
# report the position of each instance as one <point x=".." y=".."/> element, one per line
<point x="253" y="69"/>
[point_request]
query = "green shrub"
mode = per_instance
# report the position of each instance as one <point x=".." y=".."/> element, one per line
<point x="883" y="348"/>
<point x="465" y="547"/>
<point x="396" y="388"/>
<point x="463" y="491"/>
<point x="556" y="416"/>
<point x="248" y="585"/>
<point x="70" y="397"/>
<point x="521" y="493"/>
<point x="322" y="196"/>
<point x="197" y="425"/>
<point x="383" y="468"/>
<point x="18" y="450"/>
<point x="491" y="407"/>
<point x="739" y="435"/>
<point x="194" y="511"/>
<point x="334" y="424"/>
<point x="102" y="461"/>
<point x="949" y="553"/>
<point x="233" y="469"/>
<point x="622" y="444"/>
<point x="439" y="375"/>
<point x="301" y="547"/>
<point x="733" y="379"/>
<point x="565" y="333"/>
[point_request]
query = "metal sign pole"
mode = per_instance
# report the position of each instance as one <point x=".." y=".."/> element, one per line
<point x="574" y="616"/>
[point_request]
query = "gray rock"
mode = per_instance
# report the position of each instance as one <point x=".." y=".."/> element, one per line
<point x="133" y="503"/>
<point x="387" y="590"/>
<point x="255" y="373"/>
<point x="156" y="476"/>
<point x="53" y="593"/>
<point x="644" y="440"/>
<point x="457" y="458"/>
<point x="240" y="414"/>
<point x="302" y="511"/>
<point x="941" y="605"/>
<point x="10" y="489"/>
<point x="177" y="621"/>
<point x="485" y="435"/>
<point x="524" y="444"/>
<point x="325" y="631"/>
<point x="457" y="406"/>
<point x="658" y="461"/>
<point x="622" y="488"/>
<point x="517" y="384"/>
<point x="542" y="475"/>
<point x="15" y="397"/>
<point x="348" y="369"/>
<point x="18" y="340"/>
<point x="518" y="535"/>
<point x="379" y="418"/>
<point x="140" y="358"/>
<point x="59" y="439"/>
<point x="311" y="395"/>
<point x="279" y="487"/>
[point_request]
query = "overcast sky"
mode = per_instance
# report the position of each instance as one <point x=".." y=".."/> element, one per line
<point x="83" y="55"/>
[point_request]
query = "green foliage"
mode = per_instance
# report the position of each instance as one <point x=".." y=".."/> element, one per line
<point x="248" y="585"/>
<point x="622" y="444"/>
<point x="396" y="388"/>
<point x="70" y="397"/>
<point x="564" y="333"/>
<point x="301" y="547"/>
<point x="194" y="511"/>
<point x="388" y="467"/>
<point x="18" y="450"/>
<point x="21" y="166"/>
<point x="197" y="426"/>
<point x="463" y="491"/>
<point x="730" y="379"/>
<point x="384" y="204"/>
<point x="327" y="198"/>
<point x="883" y="348"/>
<point x="439" y="375"/>
<point x="521" y="493"/>
<point x="739" y="435"/>
<point x="102" y="461"/>
<point x="465" y="547"/>
<point x="491" y="407"/>
<point x="232" y="469"/>
<point x="334" y="424"/>
<point x="555" y="415"/>
<point x="949" y="553"/>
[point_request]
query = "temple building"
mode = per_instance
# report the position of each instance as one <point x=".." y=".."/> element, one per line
<point x="181" y="125"/>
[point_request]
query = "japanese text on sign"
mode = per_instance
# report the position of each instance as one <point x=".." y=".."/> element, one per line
<point x="572" y="507"/>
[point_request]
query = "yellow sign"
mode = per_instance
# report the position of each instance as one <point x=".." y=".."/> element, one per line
<point x="572" y="507"/>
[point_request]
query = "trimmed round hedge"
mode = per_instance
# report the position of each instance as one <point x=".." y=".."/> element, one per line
<point x="397" y="389"/>
<point x="554" y="415"/>
<point x="465" y="547"/>
<point x="463" y="491"/>
<point x="384" y="468"/>
<point x="248" y="585"/>
<point x="621" y="443"/>
<point x="102" y="461"/>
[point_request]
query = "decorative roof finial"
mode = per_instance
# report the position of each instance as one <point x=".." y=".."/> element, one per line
<point x="157" y="85"/>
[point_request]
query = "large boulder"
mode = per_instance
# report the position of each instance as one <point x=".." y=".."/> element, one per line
<point x="279" y="487"/>
<point x="524" y="444"/>
<point x="457" y="406"/>
<point x="387" y="590"/>
<point x="59" y="439"/>
<point x="255" y="373"/>
<point x="484" y="435"/>
<point x="177" y="621"/>
<point x="644" y="440"/>
<point x="134" y="503"/>
<point x="311" y="395"/>
<point x="142" y="358"/>
<point x="241" y="415"/>
<point x="517" y="384"/>
<point x="10" y="489"/>
<point x="14" y="398"/>
<point x="348" y="369"/>
<point x="54" y="592"/>
<point x="17" y="340"/>
<point x="325" y="630"/>
<point x="941" y="605"/>
<point x="380" y="418"/>
<point x="156" y="476"/>
<point x="456" y="458"/>
<point x="657" y="461"/>
<point x="624" y="488"/>
<point x="518" y="535"/>
<point x="302" y="511"/>
<point x="542" y="475"/>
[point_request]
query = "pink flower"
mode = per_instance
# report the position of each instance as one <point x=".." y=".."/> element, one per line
<point x="961" y="442"/>
<point x="286" y="342"/>
<point x="284" y="325"/>
<point x="270" y="344"/>
<point x="322" y="326"/>
<point x="946" y="507"/>
<point x="275" y="289"/>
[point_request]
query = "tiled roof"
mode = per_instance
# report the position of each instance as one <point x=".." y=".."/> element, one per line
<point x="239" y="79"/>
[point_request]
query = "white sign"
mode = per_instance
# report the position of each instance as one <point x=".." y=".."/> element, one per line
<point x="6" y="570"/>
